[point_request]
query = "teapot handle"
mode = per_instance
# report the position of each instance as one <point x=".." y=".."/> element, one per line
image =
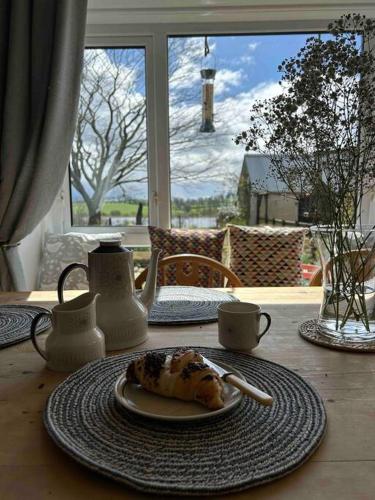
<point x="64" y="275"/>
<point x="34" y="323"/>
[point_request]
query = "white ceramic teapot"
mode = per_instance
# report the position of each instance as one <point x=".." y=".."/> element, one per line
<point x="122" y="315"/>
<point x="74" y="339"/>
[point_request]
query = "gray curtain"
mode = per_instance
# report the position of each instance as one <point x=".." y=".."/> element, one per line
<point x="41" y="52"/>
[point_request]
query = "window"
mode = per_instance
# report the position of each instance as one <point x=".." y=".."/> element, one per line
<point x="108" y="168"/>
<point x="169" y="173"/>
<point x="210" y="175"/>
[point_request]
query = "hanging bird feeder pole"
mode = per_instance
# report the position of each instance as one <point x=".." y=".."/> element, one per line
<point x="208" y="73"/>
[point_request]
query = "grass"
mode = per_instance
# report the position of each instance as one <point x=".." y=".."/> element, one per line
<point x="112" y="209"/>
<point x="126" y="209"/>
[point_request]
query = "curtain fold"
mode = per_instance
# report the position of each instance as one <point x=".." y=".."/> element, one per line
<point x="41" y="52"/>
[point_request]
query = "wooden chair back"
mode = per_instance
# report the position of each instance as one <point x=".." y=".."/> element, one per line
<point x="361" y="262"/>
<point x="191" y="278"/>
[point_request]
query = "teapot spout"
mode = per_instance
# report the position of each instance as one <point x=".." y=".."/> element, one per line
<point x="148" y="294"/>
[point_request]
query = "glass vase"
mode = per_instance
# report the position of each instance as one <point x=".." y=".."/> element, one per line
<point x="348" y="278"/>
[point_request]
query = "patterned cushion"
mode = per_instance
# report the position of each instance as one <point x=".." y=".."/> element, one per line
<point x="207" y="242"/>
<point x="60" y="250"/>
<point x="265" y="256"/>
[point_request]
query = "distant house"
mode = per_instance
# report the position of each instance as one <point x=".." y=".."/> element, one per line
<point x="263" y="199"/>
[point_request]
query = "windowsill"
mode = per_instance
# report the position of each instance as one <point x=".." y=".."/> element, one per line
<point x="134" y="236"/>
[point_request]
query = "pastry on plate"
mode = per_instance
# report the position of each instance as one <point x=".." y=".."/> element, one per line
<point x="181" y="375"/>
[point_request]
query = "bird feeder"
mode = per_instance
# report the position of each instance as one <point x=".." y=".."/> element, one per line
<point x="208" y="73"/>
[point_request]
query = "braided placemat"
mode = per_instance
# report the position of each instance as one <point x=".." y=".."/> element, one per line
<point x="247" y="447"/>
<point x="310" y="331"/>
<point x="15" y="322"/>
<point x="181" y="305"/>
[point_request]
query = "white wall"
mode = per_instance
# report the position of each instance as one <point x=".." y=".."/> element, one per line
<point x="29" y="252"/>
<point x="203" y="11"/>
<point x="30" y="249"/>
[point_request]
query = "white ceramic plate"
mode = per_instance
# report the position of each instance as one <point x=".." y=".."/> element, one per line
<point x="137" y="400"/>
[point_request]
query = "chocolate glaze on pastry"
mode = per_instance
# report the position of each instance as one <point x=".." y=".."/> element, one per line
<point x="182" y="357"/>
<point x="192" y="368"/>
<point x="154" y="362"/>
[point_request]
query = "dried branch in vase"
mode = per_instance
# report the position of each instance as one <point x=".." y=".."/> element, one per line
<point x="319" y="134"/>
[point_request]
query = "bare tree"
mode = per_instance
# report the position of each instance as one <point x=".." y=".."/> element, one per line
<point x="110" y="146"/>
<point x="109" y="149"/>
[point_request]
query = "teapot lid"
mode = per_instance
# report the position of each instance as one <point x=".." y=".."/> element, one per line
<point x="110" y="246"/>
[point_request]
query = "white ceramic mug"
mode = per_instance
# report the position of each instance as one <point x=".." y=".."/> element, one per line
<point x="239" y="325"/>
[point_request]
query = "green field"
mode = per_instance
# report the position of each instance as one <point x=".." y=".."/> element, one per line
<point x="129" y="209"/>
<point x="112" y="208"/>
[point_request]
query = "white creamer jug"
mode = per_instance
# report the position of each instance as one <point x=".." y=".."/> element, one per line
<point x="74" y="338"/>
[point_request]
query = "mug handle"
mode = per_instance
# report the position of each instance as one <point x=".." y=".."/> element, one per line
<point x="64" y="275"/>
<point x="34" y="324"/>
<point x="268" y="317"/>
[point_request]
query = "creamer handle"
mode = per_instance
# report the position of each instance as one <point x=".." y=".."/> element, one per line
<point x="34" y="324"/>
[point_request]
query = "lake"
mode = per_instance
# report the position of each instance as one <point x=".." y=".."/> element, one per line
<point x="178" y="222"/>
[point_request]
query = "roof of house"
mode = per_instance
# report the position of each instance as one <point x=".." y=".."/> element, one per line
<point x="259" y="170"/>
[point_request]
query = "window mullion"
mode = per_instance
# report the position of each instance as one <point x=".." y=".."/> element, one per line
<point x="162" y="194"/>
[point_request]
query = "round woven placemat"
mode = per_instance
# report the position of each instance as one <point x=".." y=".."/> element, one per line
<point x="247" y="447"/>
<point x="15" y="322"/>
<point x="311" y="332"/>
<point x="181" y="305"/>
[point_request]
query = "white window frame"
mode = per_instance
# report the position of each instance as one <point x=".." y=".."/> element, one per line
<point x="154" y="37"/>
<point x="135" y="234"/>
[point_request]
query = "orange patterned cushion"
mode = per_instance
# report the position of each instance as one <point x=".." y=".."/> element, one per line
<point x="207" y="242"/>
<point x="265" y="256"/>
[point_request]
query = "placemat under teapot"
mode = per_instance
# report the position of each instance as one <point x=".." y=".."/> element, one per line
<point x="175" y="305"/>
<point x="15" y="322"/>
<point x="310" y="331"/>
<point x="247" y="447"/>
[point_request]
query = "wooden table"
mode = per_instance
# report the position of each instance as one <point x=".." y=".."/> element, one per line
<point x="32" y="467"/>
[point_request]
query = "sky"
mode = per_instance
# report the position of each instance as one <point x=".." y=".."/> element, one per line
<point x="256" y="56"/>
<point x="246" y="71"/>
<point x="208" y="164"/>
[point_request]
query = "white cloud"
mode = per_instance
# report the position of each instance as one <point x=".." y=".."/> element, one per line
<point x="225" y="79"/>
<point x="189" y="77"/>
<point x="103" y="98"/>
<point x="187" y="63"/>
<point x="253" y="45"/>
<point x="247" y="59"/>
<point x="217" y="150"/>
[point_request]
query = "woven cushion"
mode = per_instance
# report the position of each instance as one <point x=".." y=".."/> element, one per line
<point x="207" y="242"/>
<point x="60" y="250"/>
<point x="265" y="256"/>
